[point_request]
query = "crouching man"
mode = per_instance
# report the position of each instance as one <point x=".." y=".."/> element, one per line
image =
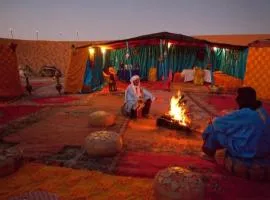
<point x="137" y="100"/>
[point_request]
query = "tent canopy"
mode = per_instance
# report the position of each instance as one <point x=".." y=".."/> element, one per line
<point x="260" y="43"/>
<point x="258" y="65"/>
<point x="148" y="51"/>
<point x="151" y="39"/>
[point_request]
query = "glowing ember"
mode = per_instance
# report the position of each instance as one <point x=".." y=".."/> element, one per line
<point x="178" y="111"/>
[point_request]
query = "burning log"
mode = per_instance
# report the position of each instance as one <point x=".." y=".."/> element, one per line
<point x="177" y="117"/>
<point x="167" y="122"/>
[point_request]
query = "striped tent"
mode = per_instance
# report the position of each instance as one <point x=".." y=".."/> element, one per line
<point x="10" y="84"/>
<point x="258" y="68"/>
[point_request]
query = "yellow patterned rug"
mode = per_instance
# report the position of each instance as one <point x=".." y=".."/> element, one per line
<point x="73" y="184"/>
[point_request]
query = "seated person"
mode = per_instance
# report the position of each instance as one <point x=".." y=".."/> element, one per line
<point x="244" y="133"/>
<point x="109" y="71"/>
<point x="198" y="76"/>
<point x="137" y="100"/>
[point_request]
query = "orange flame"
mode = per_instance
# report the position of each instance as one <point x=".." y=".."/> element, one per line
<point x="178" y="111"/>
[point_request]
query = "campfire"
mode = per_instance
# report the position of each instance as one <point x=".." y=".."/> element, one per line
<point x="177" y="116"/>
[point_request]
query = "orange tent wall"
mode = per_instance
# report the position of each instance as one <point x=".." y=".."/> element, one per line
<point x="75" y="72"/>
<point x="10" y="83"/>
<point x="258" y="71"/>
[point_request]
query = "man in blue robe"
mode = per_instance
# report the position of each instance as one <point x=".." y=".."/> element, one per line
<point x="137" y="99"/>
<point x="244" y="133"/>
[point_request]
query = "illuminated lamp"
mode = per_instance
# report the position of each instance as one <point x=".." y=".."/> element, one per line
<point x="169" y="44"/>
<point x="103" y="50"/>
<point x="91" y="51"/>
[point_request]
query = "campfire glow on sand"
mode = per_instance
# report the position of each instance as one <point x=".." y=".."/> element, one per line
<point x="177" y="117"/>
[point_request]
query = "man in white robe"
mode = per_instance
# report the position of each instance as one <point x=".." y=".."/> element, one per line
<point x="137" y="99"/>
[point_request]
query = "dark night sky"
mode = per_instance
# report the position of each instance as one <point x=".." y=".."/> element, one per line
<point x="118" y="19"/>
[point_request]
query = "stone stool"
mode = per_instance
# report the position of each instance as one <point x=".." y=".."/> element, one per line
<point x="178" y="183"/>
<point x="101" y="119"/>
<point x="103" y="143"/>
<point x="255" y="169"/>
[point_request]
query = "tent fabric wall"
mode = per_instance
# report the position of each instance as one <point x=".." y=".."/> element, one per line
<point x="74" y="76"/>
<point x="144" y="56"/>
<point x="177" y="59"/>
<point x="230" y="61"/>
<point x="10" y="84"/>
<point x="258" y="71"/>
<point x="93" y="76"/>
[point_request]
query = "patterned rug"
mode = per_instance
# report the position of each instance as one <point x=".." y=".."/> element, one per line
<point x="36" y="195"/>
<point x="58" y="138"/>
<point x="12" y="112"/>
<point x="70" y="184"/>
<point x="219" y="184"/>
<point x="69" y="126"/>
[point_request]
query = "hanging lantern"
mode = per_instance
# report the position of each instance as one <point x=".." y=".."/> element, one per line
<point x="103" y="50"/>
<point x="127" y="55"/>
<point x="91" y="51"/>
<point x="169" y="44"/>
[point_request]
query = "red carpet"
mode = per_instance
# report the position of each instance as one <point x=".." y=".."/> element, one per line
<point x="53" y="100"/>
<point x="9" y="113"/>
<point x="158" y="85"/>
<point x="220" y="185"/>
<point x="148" y="164"/>
<point x="222" y="102"/>
<point x="228" y="103"/>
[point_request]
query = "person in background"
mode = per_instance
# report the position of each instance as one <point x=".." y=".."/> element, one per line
<point x="110" y="73"/>
<point x="244" y="133"/>
<point x="137" y="100"/>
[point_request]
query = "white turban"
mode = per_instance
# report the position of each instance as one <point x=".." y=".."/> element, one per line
<point x="136" y="89"/>
<point x="133" y="78"/>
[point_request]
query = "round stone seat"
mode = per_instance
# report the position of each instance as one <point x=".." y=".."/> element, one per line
<point x="255" y="169"/>
<point x="10" y="161"/>
<point x="101" y="119"/>
<point x="103" y="143"/>
<point x="178" y="183"/>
